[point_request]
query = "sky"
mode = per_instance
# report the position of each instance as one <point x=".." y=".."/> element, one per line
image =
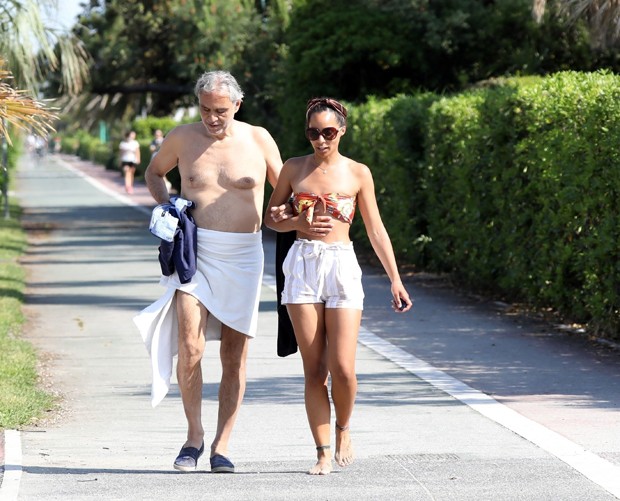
<point x="67" y="12"/>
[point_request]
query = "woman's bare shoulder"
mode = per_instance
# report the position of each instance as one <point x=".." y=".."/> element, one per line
<point x="298" y="160"/>
<point x="357" y="168"/>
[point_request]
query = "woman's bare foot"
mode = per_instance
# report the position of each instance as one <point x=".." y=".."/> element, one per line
<point x="344" y="449"/>
<point x="323" y="465"/>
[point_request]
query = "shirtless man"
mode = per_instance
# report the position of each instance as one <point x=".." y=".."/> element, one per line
<point x="223" y="164"/>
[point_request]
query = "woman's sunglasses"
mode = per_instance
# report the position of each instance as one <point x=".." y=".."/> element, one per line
<point x="329" y="133"/>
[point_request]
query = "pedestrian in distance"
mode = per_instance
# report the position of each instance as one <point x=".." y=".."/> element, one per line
<point x="223" y="164"/>
<point x="323" y="288"/>
<point x="129" y="155"/>
<point x="158" y="138"/>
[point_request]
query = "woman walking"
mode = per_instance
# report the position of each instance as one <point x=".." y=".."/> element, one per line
<point x="129" y="152"/>
<point x="323" y="288"/>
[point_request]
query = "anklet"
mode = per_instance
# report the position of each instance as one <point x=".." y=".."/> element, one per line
<point x="342" y="428"/>
<point x="322" y="447"/>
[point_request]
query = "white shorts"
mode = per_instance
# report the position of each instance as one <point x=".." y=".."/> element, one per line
<point x="318" y="272"/>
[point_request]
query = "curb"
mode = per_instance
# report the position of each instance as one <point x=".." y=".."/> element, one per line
<point x="12" y="449"/>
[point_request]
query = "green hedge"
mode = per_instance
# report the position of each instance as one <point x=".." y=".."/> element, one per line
<point x="512" y="188"/>
<point x="90" y="148"/>
<point x="14" y="152"/>
<point x="87" y="147"/>
<point x="146" y="127"/>
<point x="388" y="136"/>
<point x="524" y="188"/>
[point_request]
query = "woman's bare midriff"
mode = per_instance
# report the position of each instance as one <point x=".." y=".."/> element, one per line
<point x="339" y="233"/>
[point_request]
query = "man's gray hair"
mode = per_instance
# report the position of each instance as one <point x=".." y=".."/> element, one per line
<point x="219" y="80"/>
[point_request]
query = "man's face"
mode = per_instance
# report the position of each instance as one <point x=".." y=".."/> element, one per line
<point x="217" y="111"/>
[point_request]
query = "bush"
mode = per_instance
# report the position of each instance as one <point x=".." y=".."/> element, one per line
<point x="511" y="187"/>
<point x="87" y="146"/>
<point x="14" y="152"/>
<point x="91" y="148"/>
<point x="102" y="154"/>
<point x="146" y="127"/>
<point x="388" y="136"/>
<point x="523" y="182"/>
<point x="69" y="144"/>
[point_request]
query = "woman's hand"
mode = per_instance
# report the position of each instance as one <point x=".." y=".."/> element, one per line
<point x="400" y="298"/>
<point x="320" y="226"/>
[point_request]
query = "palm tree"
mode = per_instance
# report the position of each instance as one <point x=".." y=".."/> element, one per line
<point x="22" y="112"/>
<point x="602" y="16"/>
<point x="33" y="46"/>
<point x="19" y="110"/>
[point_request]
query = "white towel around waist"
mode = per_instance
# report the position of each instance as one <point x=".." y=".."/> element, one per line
<point x="227" y="282"/>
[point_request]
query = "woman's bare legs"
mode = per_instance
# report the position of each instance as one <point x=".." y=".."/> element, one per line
<point x="130" y="173"/>
<point x="342" y="327"/>
<point x="308" y="322"/>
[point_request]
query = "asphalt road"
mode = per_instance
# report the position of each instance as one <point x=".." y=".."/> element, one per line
<point x="458" y="400"/>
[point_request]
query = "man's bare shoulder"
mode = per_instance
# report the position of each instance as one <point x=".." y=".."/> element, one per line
<point x="184" y="130"/>
<point x="258" y="133"/>
<point x="176" y="143"/>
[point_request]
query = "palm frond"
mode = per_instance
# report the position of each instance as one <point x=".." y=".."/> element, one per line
<point x="32" y="46"/>
<point x="602" y="17"/>
<point x="74" y="62"/>
<point x="20" y="110"/>
<point x="538" y="9"/>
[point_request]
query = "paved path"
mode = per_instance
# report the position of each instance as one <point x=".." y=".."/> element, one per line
<point x="457" y="400"/>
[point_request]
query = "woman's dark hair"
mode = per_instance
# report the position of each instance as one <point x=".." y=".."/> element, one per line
<point x="318" y="104"/>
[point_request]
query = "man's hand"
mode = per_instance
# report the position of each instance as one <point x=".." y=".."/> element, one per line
<point x="281" y="213"/>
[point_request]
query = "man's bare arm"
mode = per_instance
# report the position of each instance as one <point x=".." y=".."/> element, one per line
<point x="162" y="163"/>
<point x="273" y="159"/>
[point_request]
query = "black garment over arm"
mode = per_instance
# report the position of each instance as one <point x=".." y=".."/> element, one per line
<point x="287" y="344"/>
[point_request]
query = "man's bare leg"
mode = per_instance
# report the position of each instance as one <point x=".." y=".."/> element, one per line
<point x="192" y="318"/>
<point x="233" y="355"/>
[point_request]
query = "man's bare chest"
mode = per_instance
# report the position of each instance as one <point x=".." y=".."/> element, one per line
<point x="227" y="168"/>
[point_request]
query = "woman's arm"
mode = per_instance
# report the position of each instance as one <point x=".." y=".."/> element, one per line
<point x="280" y="196"/>
<point x="379" y="238"/>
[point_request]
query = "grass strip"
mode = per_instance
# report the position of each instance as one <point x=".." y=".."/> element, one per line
<point x="22" y="400"/>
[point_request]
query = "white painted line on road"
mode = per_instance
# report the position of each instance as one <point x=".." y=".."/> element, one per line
<point x="101" y="187"/>
<point x="593" y="467"/>
<point x="12" y="465"/>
